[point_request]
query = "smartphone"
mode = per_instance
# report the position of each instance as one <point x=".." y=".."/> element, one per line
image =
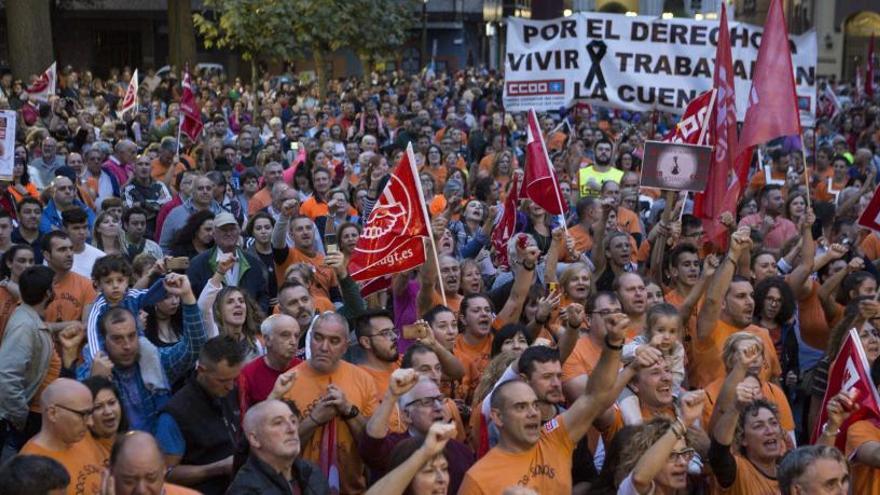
<point x="294" y="146"/>
<point x="552" y="287"/>
<point x="415" y="331"/>
<point x="330" y="244"/>
<point x="177" y="263"/>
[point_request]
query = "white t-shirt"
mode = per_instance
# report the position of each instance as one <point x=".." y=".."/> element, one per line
<point x="627" y="488"/>
<point x="84" y="261"/>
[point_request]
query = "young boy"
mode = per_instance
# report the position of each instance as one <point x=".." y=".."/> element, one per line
<point x="111" y="276"/>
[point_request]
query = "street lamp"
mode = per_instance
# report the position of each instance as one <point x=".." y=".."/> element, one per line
<point x="424" y="33"/>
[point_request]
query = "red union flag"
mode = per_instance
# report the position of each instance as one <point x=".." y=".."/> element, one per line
<point x="504" y="230"/>
<point x="850" y="371"/>
<point x="540" y="178"/>
<point x="129" y="102"/>
<point x="190" y="114"/>
<point x="692" y="128"/>
<point x="392" y="238"/>
<point x="870" y="218"/>
<point x="44" y="86"/>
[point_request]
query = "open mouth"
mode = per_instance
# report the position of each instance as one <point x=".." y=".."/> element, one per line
<point x="771" y="444"/>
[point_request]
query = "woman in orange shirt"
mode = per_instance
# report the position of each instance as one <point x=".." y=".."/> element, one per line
<point x="434" y="165"/>
<point x="21" y="185"/>
<point x="502" y="168"/>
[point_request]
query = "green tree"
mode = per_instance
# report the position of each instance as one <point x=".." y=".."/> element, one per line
<point x="258" y="29"/>
<point x="322" y="27"/>
<point x="382" y="29"/>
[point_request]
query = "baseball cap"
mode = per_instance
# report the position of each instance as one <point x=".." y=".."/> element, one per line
<point x="224" y="218"/>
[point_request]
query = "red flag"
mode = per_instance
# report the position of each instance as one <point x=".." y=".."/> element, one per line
<point x="540" y="181"/>
<point x="692" y="128"/>
<point x="375" y="285"/>
<point x="725" y="179"/>
<point x="773" y="109"/>
<point x="869" y="70"/>
<point x="392" y="238"/>
<point x="504" y="230"/>
<point x="129" y="101"/>
<point x="191" y="115"/>
<point x="857" y="87"/>
<point x="870" y="218"/>
<point x="849" y="371"/>
<point x="44" y="86"/>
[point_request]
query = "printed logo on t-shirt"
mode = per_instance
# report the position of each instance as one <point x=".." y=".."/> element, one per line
<point x="551" y="425"/>
<point x="536" y="471"/>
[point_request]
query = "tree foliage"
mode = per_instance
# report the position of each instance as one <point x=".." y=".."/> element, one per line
<point x="258" y="29"/>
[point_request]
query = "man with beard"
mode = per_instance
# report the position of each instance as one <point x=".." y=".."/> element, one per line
<point x="769" y="220"/>
<point x="728" y="308"/>
<point x="281" y="337"/>
<point x="590" y="178"/>
<point x="28" y="231"/>
<point x="336" y="398"/>
<point x="740" y="407"/>
<point x="376" y="334"/>
<point x="305" y="250"/>
<point x="274" y="466"/>
<point x="630" y="290"/>
<point x="420" y="404"/>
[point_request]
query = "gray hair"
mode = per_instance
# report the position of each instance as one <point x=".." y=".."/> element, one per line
<point x="799" y="460"/>
<point x="408" y="397"/>
<point x="328" y="316"/>
<point x="168" y="143"/>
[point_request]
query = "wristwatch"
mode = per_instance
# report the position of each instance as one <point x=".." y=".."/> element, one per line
<point x="352" y="413"/>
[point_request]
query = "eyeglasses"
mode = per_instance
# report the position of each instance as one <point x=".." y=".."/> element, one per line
<point x="83" y="415"/>
<point x="685" y="455"/>
<point x="607" y="312"/>
<point x="387" y="334"/>
<point x="427" y="401"/>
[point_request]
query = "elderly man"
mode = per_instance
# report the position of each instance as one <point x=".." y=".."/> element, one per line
<point x="63" y="199"/>
<point x="272" y="174"/>
<point x="814" y="470"/>
<point x="420" y="404"/>
<point x="281" y="337"/>
<point x="135" y="364"/>
<point x="137" y="467"/>
<point x="146" y="192"/>
<point x="198" y="430"/>
<point x="245" y="273"/>
<point x="163" y="168"/>
<point x="333" y="395"/>
<point x="121" y="163"/>
<point x="101" y="183"/>
<point x="274" y="466"/>
<point x="202" y="199"/>
<point x="42" y="169"/>
<point x="66" y="407"/>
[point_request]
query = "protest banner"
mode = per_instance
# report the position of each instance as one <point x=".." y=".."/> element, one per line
<point x="7" y="144"/>
<point x="636" y="63"/>
<point x="676" y="166"/>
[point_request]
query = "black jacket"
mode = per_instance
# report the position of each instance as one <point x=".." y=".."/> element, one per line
<point x="252" y="280"/>
<point x="258" y="478"/>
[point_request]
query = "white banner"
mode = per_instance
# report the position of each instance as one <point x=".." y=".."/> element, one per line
<point x="7" y="144"/>
<point x="635" y="63"/>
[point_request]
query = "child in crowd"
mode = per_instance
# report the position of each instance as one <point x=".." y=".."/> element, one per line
<point x="663" y="331"/>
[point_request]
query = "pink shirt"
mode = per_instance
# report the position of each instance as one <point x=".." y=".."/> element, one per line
<point x="783" y="230"/>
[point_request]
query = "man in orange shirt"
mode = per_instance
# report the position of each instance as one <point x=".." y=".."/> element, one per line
<point x="272" y="173"/>
<point x="73" y="292"/>
<point x="815" y="469"/>
<point x="588" y="348"/>
<point x="304" y="250"/>
<point x="537" y="457"/>
<point x="163" y="168"/>
<point x="728" y="308"/>
<point x="378" y="338"/>
<point x="336" y="398"/>
<point x="66" y="410"/>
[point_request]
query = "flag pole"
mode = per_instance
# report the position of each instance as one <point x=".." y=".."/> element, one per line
<point x="412" y="164"/>
<point x="708" y="121"/>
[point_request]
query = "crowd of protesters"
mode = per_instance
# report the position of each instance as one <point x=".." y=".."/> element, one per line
<point x="178" y="315"/>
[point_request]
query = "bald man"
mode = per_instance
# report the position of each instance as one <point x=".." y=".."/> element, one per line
<point x="281" y="336"/>
<point x="137" y="467"/>
<point x="66" y="406"/>
<point x="274" y="465"/>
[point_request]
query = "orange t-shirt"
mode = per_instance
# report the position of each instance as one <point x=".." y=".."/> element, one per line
<point x="52" y="374"/>
<point x="359" y="390"/>
<point x="439" y="174"/>
<point x="582" y="360"/>
<point x="759" y="180"/>
<point x="824" y="193"/>
<point x="73" y="293"/>
<point x="771" y="392"/>
<point x="29" y="187"/>
<point x="159" y="171"/>
<point x="865" y="479"/>
<point x="545" y="468"/>
<point x="708" y="365"/>
<point x="84" y="462"/>
<point x="259" y="200"/>
<point x="7" y="306"/>
<point x="583" y="241"/>
<point x="749" y="481"/>
<point x="628" y="221"/>
<point x="870" y="246"/>
<point x="474" y="358"/>
<point x="324" y="279"/>
<point x="814" y="326"/>
<point x="453" y="301"/>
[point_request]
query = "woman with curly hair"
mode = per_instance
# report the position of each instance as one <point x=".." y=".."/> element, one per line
<point x="196" y="236"/>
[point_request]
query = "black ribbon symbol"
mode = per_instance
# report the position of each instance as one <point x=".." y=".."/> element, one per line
<point x="596" y="49"/>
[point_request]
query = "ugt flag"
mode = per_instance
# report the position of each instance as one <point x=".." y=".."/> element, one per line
<point x="505" y="228"/>
<point x="850" y="371"/>
<point x="43" y="86"/>
<point x="541" y="185"/>
<point x="129" y="102"/>
<point x="693" y="126"/>
<point x="190" y="114"/>
<point x="392" y="238"/>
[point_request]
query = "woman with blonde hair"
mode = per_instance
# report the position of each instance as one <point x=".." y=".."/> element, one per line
<point x="231" y="311"/>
